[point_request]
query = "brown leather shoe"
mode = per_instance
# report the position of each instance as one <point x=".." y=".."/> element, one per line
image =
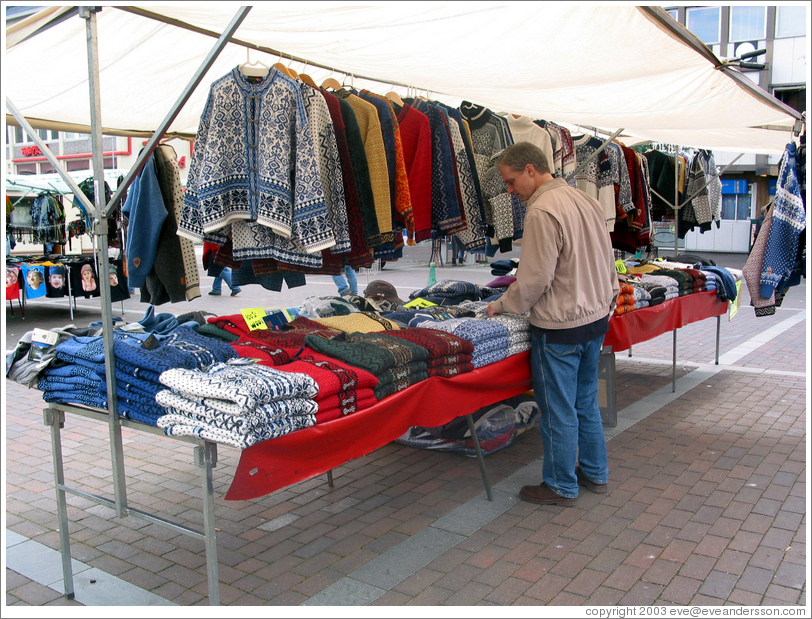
<point x="587" y="483"/>
<point x="544" y="495"/>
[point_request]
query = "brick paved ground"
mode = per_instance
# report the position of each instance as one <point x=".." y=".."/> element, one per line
<point x="707" y="502"/>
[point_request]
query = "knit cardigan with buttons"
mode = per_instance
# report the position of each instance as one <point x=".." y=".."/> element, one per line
<point x="254" y="159"/>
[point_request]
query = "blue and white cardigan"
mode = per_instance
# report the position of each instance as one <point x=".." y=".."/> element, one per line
<point x="255" y="164"/>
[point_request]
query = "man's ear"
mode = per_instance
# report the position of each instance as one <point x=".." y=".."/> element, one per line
<point x="530" y="169"/>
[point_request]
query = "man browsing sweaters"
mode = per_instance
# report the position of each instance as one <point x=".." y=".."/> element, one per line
<point x="567" y="281"/>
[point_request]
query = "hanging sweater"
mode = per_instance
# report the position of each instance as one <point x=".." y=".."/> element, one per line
<point x="415" y="132"/>
<point x="402" y="200"/>
<point x="523" y="129"/>
<point x="360" y="254"/>
<point x="789" y="220"/>
<point x="324" y="136"/>
<point x="372" y="137"/>
<point x="146" y="212"/>
<point x="254" y="159"/>
<point x="445" y="203"/>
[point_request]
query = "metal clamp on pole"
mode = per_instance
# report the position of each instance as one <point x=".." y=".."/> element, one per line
<point x="53" y="417"/>
<point x="206" y="455"/>
<point x="100" y="227"/>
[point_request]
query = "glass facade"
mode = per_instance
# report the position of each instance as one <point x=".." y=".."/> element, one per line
<point x="705" y="23"/>
<point x="790" y="21"/>
<point x="748" y="23"/>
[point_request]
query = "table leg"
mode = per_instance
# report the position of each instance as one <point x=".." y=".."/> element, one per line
<point x="480" y="458"/>
<point x="56" y="419"/>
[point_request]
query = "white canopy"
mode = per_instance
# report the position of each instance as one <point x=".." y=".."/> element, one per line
<point x="592" y="65"/>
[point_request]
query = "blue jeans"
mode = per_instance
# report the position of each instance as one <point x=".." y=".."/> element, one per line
<point x="350" y="284"/>
<point x="225" y="276"/>
<point x="565" y="382"/>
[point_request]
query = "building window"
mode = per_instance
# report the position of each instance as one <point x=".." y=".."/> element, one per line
<point x="76" y="136"/>
<point x="26" y="168"/>
<point x="736" y="200"/>
<point x="21" y="137"/>
<point x="704" y="22"/>
<point x="674" y="13"/>
<point x="790" y="21"/>
<point x="748" y="23"/>
<point x="77" y="164"/>
<point x="48" y="135"/>
<point x="793" y="97"/>
<point x="46" y="168"/>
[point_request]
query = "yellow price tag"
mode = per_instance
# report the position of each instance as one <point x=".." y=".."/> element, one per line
<point x="419" y="302"/>
<point x="620" y="266"/>
<point x="254" y="318"/>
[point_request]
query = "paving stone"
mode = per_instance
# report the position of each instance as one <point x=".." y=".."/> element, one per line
<point x="718" y="585"/>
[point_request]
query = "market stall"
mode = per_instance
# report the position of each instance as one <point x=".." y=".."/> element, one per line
<point x="370" y="47"/>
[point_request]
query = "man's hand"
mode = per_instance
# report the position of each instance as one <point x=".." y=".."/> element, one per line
<point x="490" y="311"/>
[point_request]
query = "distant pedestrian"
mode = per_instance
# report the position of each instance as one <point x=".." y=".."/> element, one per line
<point x="218" y="272"/>
<point x="346" y="285"/>
<point x="217" y="285"/>
<point x="457" y="251"/>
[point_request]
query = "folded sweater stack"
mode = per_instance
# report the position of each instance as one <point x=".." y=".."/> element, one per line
<point x="343" y="389"/>
<point x="669" y="283"/>
<point x="518" y="327"/>
<point x="448" y="292"/>
<point x="236" y="403"/>
<point x="397" y="363"/>
<point x="490" y="339"/>
<point x="684" y="280"/>
<point x="449" y="355"/>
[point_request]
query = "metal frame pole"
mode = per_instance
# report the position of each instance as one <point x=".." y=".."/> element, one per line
<point x="206" y="459"/>
<point x="718" y="335"/>
<point x="56" y="420"/>
<point x="100" y="232"/>
<point x="479" y="457"/>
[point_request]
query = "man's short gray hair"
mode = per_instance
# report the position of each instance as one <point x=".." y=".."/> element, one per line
<point x="518" y="155"/>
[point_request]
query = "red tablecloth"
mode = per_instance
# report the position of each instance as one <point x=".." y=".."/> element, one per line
<point x="301" y="455"/>
<point x="647" y="323"/>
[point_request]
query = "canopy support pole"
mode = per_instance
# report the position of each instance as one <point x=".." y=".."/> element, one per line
<point x="99" y="232"/>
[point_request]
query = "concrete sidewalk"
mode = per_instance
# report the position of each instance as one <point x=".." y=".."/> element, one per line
<point x="707" y="500"/>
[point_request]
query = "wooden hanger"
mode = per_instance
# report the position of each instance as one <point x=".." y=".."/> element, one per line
<point x="331" y="82"/>
<point x="308" y="80"/>
<point x="282" y="69"/>
<point x="394" y="97"/>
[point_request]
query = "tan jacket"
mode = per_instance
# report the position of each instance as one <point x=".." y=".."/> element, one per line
<point x="566" y="276"/>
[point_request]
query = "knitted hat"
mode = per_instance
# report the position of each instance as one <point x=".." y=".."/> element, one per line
<point x="379" y="289"/>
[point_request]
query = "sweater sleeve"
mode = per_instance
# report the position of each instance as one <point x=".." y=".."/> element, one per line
<point x="311" y="221"/>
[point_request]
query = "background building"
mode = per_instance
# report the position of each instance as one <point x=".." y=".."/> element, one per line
<point x="731" y="31"/>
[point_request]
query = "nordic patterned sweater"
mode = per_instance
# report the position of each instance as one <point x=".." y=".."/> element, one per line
<point x="789" y="220"/>
<point x="254" y="159"/>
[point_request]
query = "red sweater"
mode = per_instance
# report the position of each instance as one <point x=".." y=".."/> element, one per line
<point x="415" y="134"/>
